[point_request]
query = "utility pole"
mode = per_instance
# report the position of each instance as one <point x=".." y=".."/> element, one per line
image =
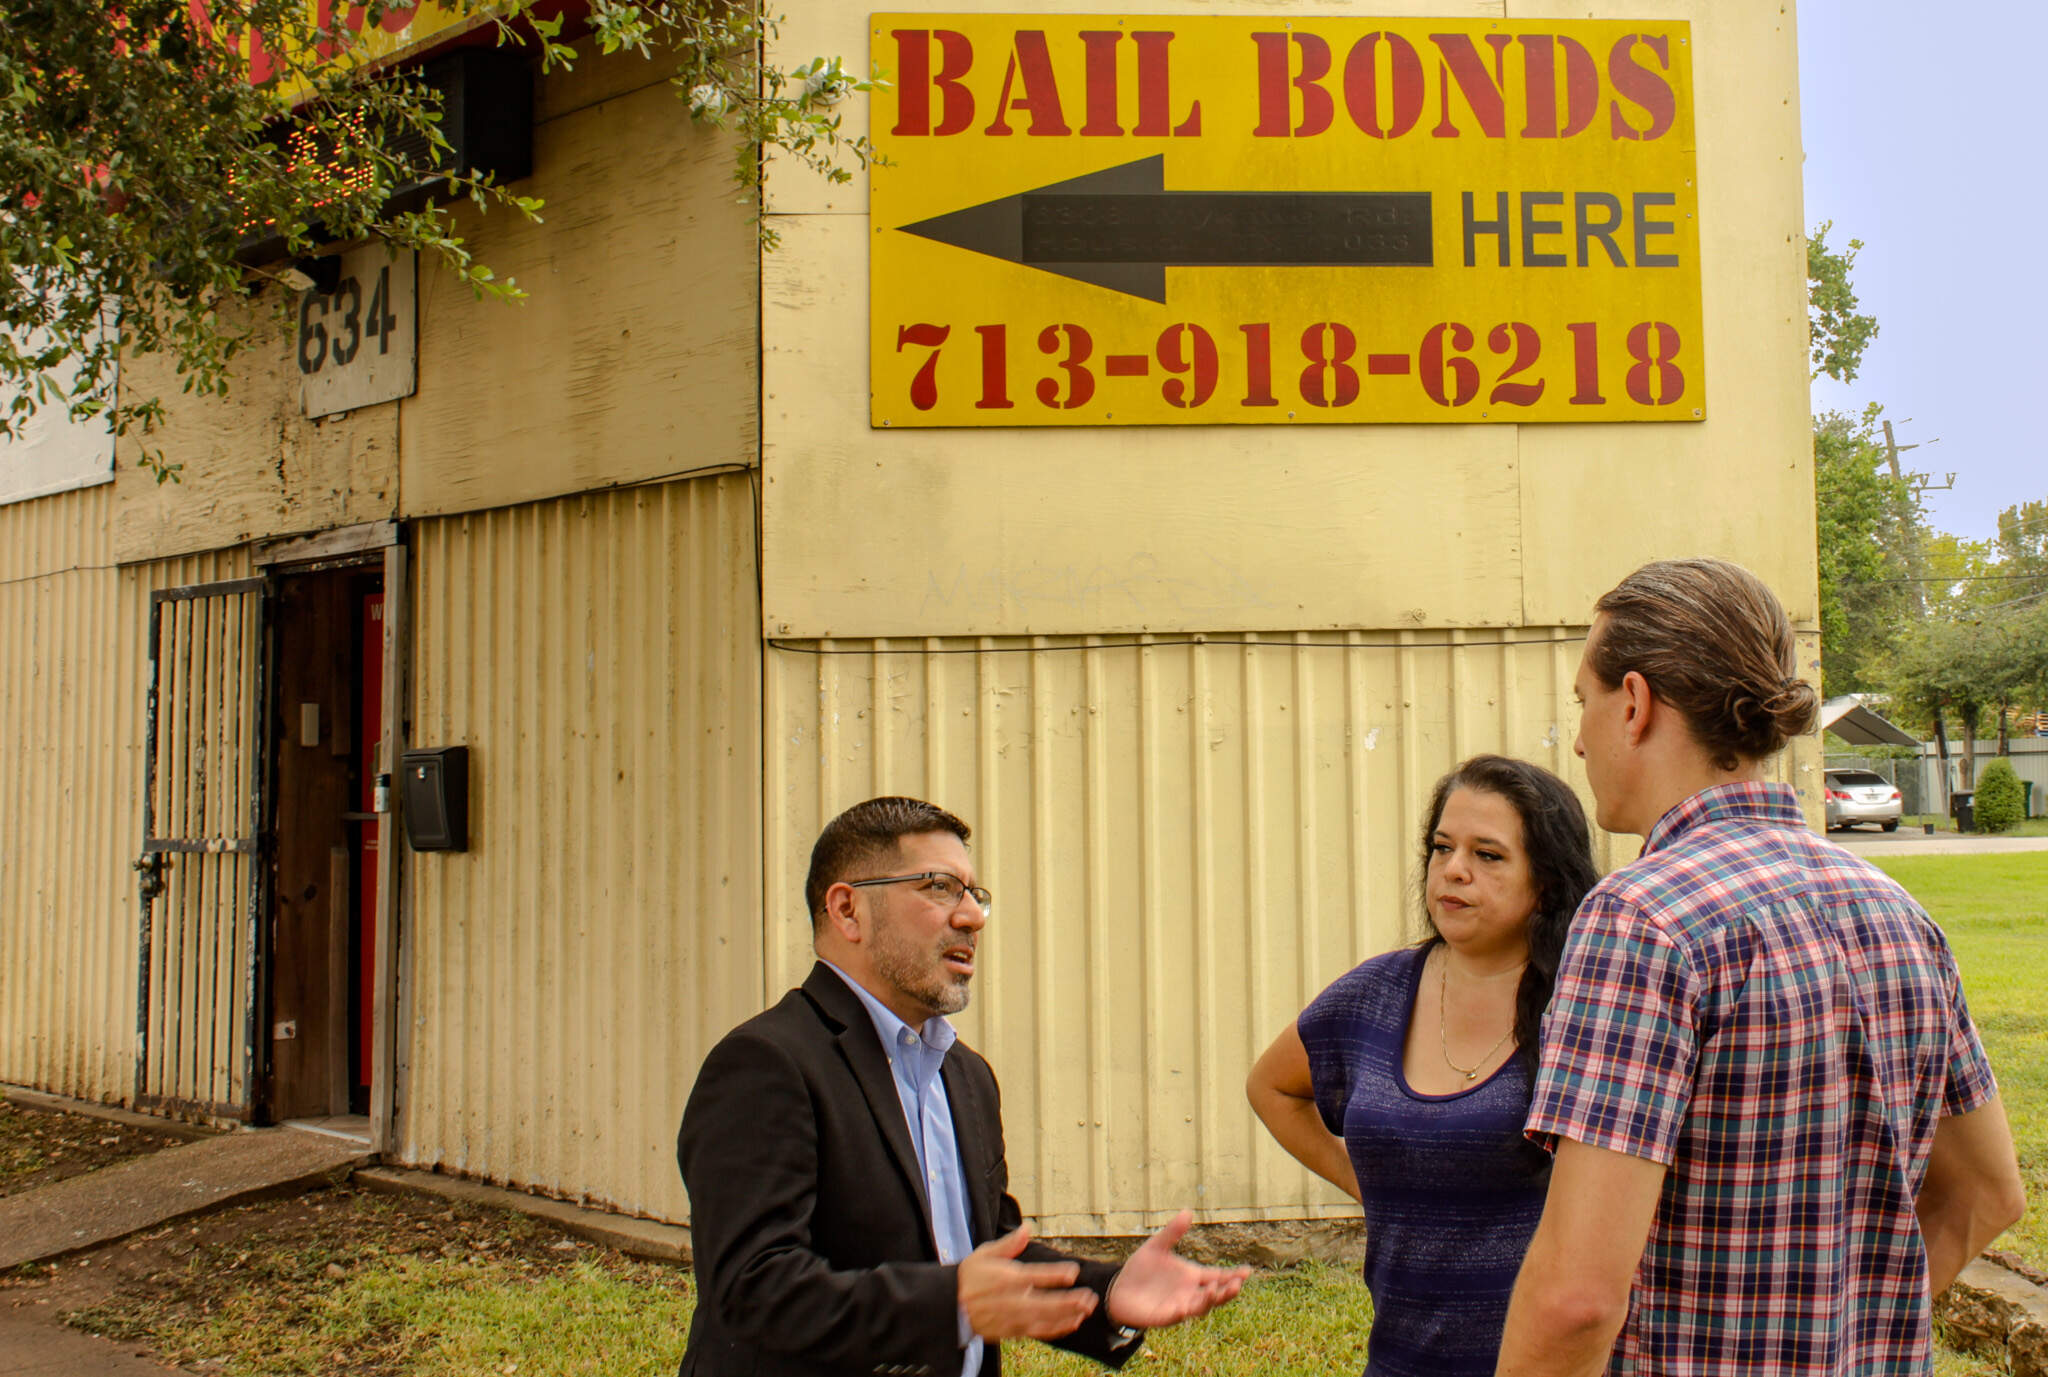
<point x="1920" y="484"/>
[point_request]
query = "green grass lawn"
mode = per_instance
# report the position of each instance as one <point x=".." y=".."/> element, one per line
<point x="440" y="1317"/>
<point x="437" y="1317"/>
<point x="1995" y="912"/>
<point x="1291" y="1324"/>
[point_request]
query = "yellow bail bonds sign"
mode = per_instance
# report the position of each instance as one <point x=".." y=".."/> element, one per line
<point x="1095" y="220"/>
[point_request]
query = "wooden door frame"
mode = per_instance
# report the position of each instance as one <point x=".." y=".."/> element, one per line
<point x="384" y="1025"/>
<point x="376" y="544"/>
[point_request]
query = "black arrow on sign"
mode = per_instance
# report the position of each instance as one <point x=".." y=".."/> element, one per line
<point x="1121" y="228"/>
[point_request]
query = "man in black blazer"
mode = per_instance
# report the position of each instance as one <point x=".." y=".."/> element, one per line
<point x="850" y="1201"/>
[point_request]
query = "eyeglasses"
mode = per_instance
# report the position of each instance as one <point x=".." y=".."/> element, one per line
<point x="942" y="889"/>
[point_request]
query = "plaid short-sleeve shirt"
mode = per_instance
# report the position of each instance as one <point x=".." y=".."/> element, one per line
<point x="1782" y="1026"/>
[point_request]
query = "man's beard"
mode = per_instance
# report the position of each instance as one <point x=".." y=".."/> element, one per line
<point x="921" y="975"/>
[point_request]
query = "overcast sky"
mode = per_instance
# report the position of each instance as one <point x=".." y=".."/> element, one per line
<point x="1924" y="139"/>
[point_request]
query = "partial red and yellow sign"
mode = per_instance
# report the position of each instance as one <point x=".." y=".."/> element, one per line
<point x="1129" y="220"/>
<point x="347" y="35"/>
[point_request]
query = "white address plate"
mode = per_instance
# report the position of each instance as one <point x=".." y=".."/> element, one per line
<point x="358" y="344"/>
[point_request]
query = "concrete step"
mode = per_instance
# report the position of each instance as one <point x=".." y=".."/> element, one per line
<point x="101" y="1206"/>
<point x="31" y="1347"/>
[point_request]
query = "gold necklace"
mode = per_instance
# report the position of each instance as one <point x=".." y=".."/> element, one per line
<point x="1443" y="1037"/>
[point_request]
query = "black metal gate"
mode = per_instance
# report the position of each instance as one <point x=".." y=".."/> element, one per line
<point x="201" y="887"/>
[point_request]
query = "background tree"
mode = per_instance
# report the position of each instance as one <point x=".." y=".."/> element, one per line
<point x="2022" y="544"/>
<point x="1869" y="524"/>
<point x="1962" y="578"/>
<point x="1837" y="332"/>
<point x="140" y="144"/>
<point x="2019" y="677"/>
<point x="1922" y="683"/>
<point x="1932" y="677"/>
<point x="1868" y="528"/>
<point x="2032" y="638"/>
<point x="1976" y="586"/>
<point x="2005" y="671"/>
<point x="1989" y="661"/>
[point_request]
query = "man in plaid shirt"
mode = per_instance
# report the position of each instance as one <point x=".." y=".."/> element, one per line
<point x="1776" y="1134"/>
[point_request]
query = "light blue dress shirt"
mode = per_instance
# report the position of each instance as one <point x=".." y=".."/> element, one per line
<point x="915" y="1056"/>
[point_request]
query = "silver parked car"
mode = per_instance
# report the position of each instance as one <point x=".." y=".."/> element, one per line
<point x="1860" y="796"/>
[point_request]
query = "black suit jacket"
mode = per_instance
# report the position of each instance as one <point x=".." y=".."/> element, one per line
<point x="809" y="1224"/>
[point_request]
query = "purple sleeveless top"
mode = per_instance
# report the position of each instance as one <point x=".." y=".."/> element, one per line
<point x="1452" y="1190"/>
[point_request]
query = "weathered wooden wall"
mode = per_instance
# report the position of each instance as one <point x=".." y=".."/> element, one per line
<point x="248" y="465"/>
<point x="634" y="355"/>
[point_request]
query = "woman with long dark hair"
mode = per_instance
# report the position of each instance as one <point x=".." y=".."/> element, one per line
<point x="1406" y="1081"/>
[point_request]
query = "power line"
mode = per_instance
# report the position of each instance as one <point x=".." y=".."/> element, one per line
<point x="2020" y="601"/>
<point x="2031" y="524"/>
<point x="1956" y="578"/>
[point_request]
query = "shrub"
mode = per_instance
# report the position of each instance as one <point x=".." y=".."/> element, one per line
<point x="2000" y="799"/>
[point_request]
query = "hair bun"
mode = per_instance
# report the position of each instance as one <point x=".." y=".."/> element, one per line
<point x="1744" y="710"/>
<point x="1794" y="708"/>
<point x="1764" y="722"/>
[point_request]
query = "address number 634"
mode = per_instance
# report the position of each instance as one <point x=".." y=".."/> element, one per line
<point x="336" y="326"/>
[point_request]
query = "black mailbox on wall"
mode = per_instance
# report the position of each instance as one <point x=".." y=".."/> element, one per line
<point x="434" y="786"/>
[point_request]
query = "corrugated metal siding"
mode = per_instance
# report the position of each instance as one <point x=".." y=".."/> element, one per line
<point x="600" y="657"/>
<point x="63" y="980"/>
<point x="73" y="633"/>
<point x="1186" y="840"/>
<point x="2028" y="758"/>
<point x="65" y="532"/>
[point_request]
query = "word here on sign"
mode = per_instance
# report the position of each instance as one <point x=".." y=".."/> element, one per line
<point x="1093" y="220"/>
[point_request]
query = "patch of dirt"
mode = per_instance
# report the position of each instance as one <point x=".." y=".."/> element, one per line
<point x="38" y="1146"/>
<point x="293" y="1253"/>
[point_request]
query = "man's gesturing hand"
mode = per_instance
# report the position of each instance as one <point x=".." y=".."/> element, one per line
<point x="1159" y="1287"/>
<point x="1008" y="1299"/>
